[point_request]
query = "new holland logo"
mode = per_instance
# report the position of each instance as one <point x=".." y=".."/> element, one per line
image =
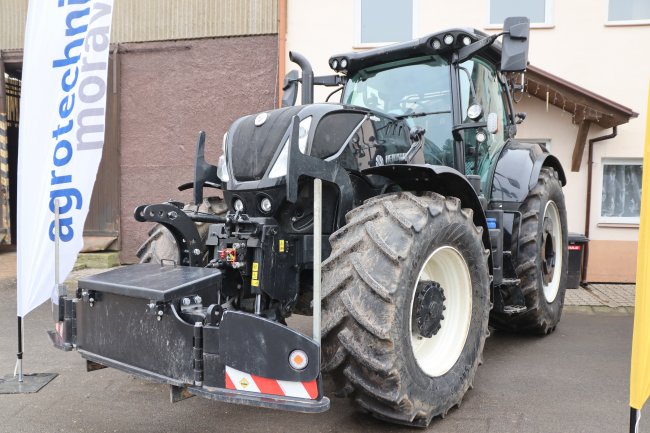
<point x="260" y="119"/>
<point x="243" y="383"/>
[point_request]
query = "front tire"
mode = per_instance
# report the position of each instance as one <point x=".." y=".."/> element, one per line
<point x="400" y="264"/>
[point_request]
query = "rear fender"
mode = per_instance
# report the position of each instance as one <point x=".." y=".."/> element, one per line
<point x="518" y="169"/>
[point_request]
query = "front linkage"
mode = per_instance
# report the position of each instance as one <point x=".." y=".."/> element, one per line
<point x="191" y="326"/>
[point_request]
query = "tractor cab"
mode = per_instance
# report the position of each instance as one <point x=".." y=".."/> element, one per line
<point x="450" y="85"/>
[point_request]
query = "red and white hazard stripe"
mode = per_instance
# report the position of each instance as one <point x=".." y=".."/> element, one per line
<point x="241" y="381"/>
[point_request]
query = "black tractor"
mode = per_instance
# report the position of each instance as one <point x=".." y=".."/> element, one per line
<point x="407" y="206"/>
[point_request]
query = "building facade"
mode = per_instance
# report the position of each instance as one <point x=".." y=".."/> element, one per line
<point x="591" y="45"/>
<point x="180" y="66"/>
<point x="176" y="67"/>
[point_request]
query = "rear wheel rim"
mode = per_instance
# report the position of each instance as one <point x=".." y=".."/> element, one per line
<point x="438" y="354"/>
<point x="553" y="253"/>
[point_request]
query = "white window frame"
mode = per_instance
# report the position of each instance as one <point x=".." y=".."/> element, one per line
<point x="616" y="221"/>
<point x="545" y="141"/>
<point x="609" y="23"/>
<point x="548" y="23"/>
<point x="367" y="45"/>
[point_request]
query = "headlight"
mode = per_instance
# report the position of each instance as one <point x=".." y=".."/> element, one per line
<point x="265" y="205"/>
<point x="279" y="169"/>
<point x="222" y="167"/>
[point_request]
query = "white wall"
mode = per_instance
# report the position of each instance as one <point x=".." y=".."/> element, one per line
<point x="608" y="60"/>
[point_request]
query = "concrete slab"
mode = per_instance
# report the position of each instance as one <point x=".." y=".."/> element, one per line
<point x="103" y="260"/>
<point x="31" y="383"/>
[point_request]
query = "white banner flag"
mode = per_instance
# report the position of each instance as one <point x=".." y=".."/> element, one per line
<point x="62" y="117"/>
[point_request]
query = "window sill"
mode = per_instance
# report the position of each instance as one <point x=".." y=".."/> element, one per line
<point x="370" y="45"/>
<point x="619" y="225"/>
<point x="532" y="26"/>
<point x="627" y="23"/>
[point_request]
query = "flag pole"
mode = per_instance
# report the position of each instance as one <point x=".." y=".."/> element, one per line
<point x="18" y="372"/>
<point x="57" y="228"/>
<point x="635" y="417"/>
<point x="19" y="355"/>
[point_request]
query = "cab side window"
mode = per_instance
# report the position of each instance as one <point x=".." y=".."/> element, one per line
<point x="479" y="85"/>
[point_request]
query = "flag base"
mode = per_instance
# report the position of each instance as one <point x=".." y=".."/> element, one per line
<point x="31" y="383"/>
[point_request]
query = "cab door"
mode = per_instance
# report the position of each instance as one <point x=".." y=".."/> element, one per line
<point x="480" y="85"/>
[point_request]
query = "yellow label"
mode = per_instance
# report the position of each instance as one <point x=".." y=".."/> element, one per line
<point x="255" y="283"/>
<point x="243" y="382"/>
<point x="254" y="275"/>
<point x="255" y="266"/>
<point x="281" y="245"/>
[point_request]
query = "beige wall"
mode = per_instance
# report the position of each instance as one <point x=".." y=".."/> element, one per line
<point x="611" y="261"/>
<point x="578" y="47"/>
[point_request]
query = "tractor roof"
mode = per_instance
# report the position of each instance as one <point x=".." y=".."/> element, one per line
<point x="442" y="43"/>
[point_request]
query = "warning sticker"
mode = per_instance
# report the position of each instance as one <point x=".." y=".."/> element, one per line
<point x="255" y="282"/>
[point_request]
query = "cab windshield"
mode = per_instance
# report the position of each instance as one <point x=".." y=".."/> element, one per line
<point x="418" y="90"/>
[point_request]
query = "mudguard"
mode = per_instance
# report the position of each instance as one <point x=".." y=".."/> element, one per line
<point x="518" y="168"/>
<point x="436" y="178"/>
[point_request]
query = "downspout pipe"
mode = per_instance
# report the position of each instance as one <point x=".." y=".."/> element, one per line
<point x="282" y="47"/>
<point x="3" y="97"/>
<point x="590" y="162"/>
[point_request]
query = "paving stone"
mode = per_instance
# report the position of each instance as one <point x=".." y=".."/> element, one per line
<point x="580" y="297"/>
<point x="613" y="295"/>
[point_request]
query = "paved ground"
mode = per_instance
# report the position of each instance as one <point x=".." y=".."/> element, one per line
<point x="594" y="298"/>
<point x="575" y="380"/>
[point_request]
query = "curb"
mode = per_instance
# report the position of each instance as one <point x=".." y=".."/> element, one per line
<point x="598" y="309"/>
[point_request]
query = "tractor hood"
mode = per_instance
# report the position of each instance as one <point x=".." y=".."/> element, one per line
<point x="256" y="146"/>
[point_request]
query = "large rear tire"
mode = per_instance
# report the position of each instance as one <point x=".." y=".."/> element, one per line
<point x="405" y="306"/>
<point x="160" y="245"/>
<point x="542" y="259"/>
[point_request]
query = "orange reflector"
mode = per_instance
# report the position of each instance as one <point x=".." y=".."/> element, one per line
<point x="298" y="360"/>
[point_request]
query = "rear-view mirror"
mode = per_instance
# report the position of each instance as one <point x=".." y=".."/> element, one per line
<point x="290" y="88"/>
<point x="514" y="51"/>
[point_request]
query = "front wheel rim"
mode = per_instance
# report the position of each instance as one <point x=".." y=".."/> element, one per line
<point x="436" y="355"/>
<point x="552" y="220"/>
